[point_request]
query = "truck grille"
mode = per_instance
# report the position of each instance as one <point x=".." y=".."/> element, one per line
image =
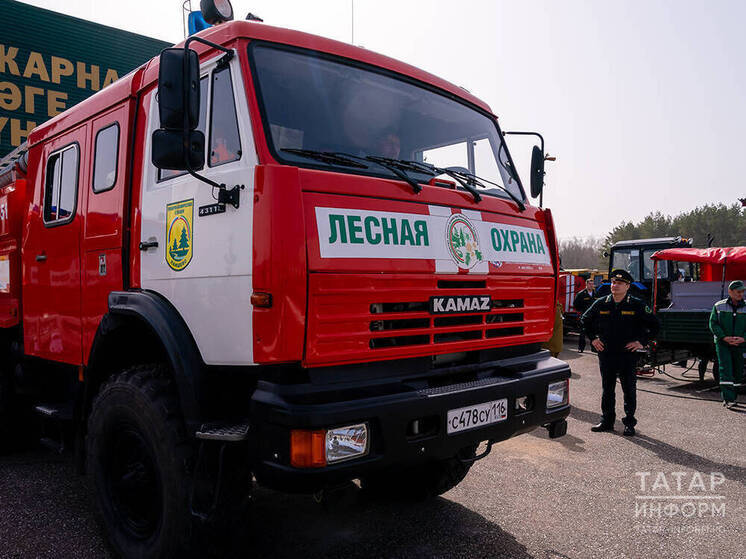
<point x="473" y="323"/>
<point x="382" y="317"/>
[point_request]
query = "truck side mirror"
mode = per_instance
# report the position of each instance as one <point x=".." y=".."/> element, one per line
<point x="171" y="149"/>
<point x="178" y="89"/>
<point x="537" y="172"/>
<point x="177" y="145"/>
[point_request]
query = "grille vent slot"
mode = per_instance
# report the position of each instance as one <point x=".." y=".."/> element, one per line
<point x="503" y="332"/>
<point x="462" y="284"/>
<point x="398" y="341"/>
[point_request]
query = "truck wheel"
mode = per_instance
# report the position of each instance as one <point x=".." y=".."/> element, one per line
<point x="137" y="463"/>
<point x="19" y="428"/>
<point x="5" y="409"/>
<point x="424" y="481"/>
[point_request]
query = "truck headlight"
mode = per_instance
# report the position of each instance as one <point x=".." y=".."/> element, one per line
<point x="558" y="394"/>
<point x="344" y="443"/>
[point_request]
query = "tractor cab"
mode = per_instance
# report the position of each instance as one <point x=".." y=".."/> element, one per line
<point x="635" y="255"/>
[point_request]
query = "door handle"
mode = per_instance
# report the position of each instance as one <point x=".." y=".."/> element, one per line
<point x="145" y="245"/>
<point x="41" y="257"/>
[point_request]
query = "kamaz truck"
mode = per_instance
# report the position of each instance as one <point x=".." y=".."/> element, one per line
<point x="265" y="255"/>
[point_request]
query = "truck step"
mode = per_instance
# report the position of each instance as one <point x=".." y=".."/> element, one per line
<point x="60" y="412"/>
<point x="231" y="432"/>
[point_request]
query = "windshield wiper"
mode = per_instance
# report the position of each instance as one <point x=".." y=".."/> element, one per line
<point x="349" y="160"/>
<point x="469" y="176"/>
<point x="432" y="170"/>
<point x="395" y="166"/>
<point x="464" y="183"/>
<point x="399" y="167"/>
<point x="327" y="157"/>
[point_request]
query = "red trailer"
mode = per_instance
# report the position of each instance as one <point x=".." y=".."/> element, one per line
<point x="684" y="331"/>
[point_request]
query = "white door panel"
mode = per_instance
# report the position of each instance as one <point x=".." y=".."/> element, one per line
<point x="211" y="308"/>
<point x="212" y="291"/>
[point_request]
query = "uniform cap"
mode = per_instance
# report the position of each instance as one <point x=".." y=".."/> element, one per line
<point x="736" y="285"/>
<point x="621" y="275"/>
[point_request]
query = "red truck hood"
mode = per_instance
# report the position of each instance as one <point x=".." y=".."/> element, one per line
<point x="391" y="274"/>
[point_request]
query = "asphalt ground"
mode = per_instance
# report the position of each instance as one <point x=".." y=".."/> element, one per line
<point x="575" y="497"/>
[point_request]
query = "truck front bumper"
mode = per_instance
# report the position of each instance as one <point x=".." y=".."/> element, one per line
<point x="389" y="409"/>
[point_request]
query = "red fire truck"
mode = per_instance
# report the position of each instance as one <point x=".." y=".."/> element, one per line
<point x="270" y="255"/>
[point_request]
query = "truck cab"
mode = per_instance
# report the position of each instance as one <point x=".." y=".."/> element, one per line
<point x="309" y="254"/>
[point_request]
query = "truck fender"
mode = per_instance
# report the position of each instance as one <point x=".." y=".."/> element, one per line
<point x="171" y="332"/>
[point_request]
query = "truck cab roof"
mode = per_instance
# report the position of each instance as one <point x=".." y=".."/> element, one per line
<point x="651" y="242"/>
<point x="225" y="34"/>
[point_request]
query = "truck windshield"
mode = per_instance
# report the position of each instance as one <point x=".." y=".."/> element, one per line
<point x="627" y="259"/>
<point x="313" y="102"/>
<point x="649" y="266"/>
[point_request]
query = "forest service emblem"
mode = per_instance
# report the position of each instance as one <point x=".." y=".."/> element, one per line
<point x="179" y="234"/>
<point x="462" y="241"/>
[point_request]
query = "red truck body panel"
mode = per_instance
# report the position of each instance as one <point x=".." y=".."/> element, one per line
<point x="12" y="205"/>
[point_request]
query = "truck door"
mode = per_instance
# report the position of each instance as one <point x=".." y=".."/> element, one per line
<point x="51" y="252"/>
<point x="102" y="235"/>
<point x="202" y="261"/>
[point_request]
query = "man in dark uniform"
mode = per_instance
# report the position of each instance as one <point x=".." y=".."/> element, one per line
<point x="618" y="326"/>
<point x="582" y="302"/>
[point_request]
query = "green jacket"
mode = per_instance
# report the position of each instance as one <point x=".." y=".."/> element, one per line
<point x="727" y="321"/>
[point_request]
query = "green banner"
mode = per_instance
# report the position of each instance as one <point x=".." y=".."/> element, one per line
<point x="50" y="61"/>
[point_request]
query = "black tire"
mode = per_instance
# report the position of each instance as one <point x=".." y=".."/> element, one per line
<point x="6" y="410"/>
<point x="424" y="481"/>
<point x="19" y="427"/>
<point x="138" y="459"/>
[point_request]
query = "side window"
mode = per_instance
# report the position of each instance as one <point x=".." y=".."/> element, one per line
<point x="164" y="174"/>
<point x="52" y="187"/>
<point x="225" y="144"/>
<point x="61" y="186"/>
<point x="105" y="158"/>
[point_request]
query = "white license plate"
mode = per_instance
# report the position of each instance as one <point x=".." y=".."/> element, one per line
<point x="479" y="415"/>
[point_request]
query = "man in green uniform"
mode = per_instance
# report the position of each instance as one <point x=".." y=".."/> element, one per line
<point x="619" y="325"/>
<point x="728" y="325"/>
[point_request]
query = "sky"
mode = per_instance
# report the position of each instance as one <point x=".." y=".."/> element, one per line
<point x="642" y="102"/>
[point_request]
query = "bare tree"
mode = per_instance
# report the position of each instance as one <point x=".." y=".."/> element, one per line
<point x="580" y="252"/>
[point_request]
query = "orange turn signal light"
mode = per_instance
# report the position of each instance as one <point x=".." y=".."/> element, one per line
<point x="259" y="299"/>
<point x="307" y="448"/>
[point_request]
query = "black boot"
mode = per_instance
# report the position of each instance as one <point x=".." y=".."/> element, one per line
<point x="602" y="427"/>
<point x="629" y="431"/>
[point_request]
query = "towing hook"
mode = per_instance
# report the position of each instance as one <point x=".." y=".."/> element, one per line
<point x="480" y="455"/>
<point x="557" y="429"/>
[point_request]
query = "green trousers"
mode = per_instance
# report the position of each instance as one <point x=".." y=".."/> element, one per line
<point x="730" y="359"/>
